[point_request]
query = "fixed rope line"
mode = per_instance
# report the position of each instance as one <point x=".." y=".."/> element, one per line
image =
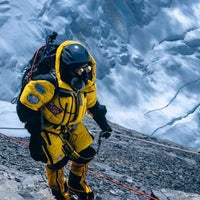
<point x="159" y="144"/>
<point x="15" y="139"/>
<point x="128" y="137"/>
<point x="92" y="172"/>
<point x="153" y="143"/>
<point x="122" y="185"/>
<point x="12" y="128"/>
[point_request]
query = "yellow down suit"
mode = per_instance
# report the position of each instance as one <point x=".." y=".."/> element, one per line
<point x="62" y="111"/>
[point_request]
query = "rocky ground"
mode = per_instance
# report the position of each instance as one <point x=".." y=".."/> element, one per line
<point x="129" y="166"/>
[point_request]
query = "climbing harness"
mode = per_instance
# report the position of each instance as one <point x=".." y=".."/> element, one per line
<point x="67" y="147"/>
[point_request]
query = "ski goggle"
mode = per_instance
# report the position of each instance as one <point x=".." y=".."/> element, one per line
<point x="87" y="68"/>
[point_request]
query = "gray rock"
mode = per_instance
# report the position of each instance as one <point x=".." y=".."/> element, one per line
<point x="128" y="165"/>
<point x="166" y="194"/>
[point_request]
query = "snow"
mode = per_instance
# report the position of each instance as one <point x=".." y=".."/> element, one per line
<point x="147" y="55"/>
<point x="9" y="122"/>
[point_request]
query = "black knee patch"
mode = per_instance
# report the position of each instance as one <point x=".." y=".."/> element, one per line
<point x="86" y="155"/>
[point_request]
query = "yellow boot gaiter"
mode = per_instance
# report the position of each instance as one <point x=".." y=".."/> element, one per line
<point x="57" y="183"/>
<point x="76" y="182"/>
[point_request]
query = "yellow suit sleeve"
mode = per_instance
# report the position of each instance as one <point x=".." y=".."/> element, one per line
<point x="36" y="93"/>
<point x="91" y="96"/>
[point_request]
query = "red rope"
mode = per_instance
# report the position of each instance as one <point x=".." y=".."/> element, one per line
<point x="33" y="64"/>
<point x="15" y="139"/>
<point x="94" y="173"/>
<point x="122" y="185"/>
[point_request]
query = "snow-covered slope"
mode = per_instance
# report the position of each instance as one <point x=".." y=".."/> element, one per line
<point x="147" y="55"/>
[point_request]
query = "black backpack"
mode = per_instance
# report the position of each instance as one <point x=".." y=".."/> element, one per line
<point x="42" y="63"/>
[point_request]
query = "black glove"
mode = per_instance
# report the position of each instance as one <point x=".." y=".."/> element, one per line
<point x="32" y="120"/>
<point x="106" y="134"/>
<point x="36" y="141"/>
<point x="99" y="111"/>
<point x="34" y="128"/>
<point x="35" y="148"/>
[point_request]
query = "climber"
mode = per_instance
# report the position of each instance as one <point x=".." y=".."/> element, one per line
<point x="52" y="107"/>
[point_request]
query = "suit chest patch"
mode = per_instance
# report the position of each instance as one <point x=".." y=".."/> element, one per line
<point x="53" y="108"/>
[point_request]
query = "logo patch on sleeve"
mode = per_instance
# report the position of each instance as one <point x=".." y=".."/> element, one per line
<point x="33" y="99"/>
<point x="53" y="108"/>
<point x="39" y="88"/>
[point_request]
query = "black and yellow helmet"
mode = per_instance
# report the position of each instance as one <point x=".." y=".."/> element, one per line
<point x="73" y="57"/>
